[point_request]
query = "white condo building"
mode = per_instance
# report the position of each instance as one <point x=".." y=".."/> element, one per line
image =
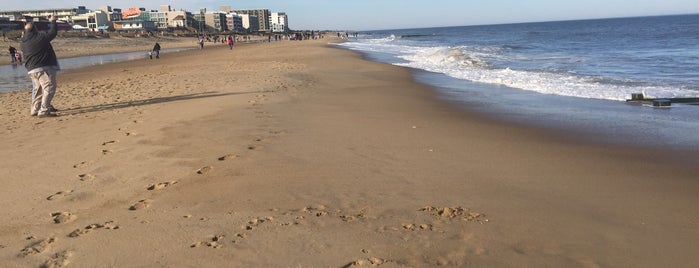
<point x="279" y="22"/>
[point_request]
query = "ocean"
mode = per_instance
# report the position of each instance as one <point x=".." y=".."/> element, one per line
<point x="572" y="75"/>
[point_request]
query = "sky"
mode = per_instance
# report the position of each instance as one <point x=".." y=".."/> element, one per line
<point x="400" y="14"/>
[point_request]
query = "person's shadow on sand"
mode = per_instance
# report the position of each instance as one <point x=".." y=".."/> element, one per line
<point x="126" y="104"/>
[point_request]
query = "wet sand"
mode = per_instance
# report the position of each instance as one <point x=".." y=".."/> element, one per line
<point x="299" y="154"/>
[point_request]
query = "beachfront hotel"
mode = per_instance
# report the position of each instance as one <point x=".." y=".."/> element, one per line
<point x="163" y="19"/>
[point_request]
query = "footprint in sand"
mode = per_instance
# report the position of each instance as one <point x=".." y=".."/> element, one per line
<point x="110" y="225"/>
<point x="204" y="170"/>
<point x="373" y="261"/>
<point x="227" y="157"/>
<point x="127" y="133"/>
<point x="107" y="143"/>
<point x="453" y="213"/>
<point x="80" y="164"/>
<point x="145" y="203"/>
<point x="86" y="177"/>
<point x="318" y="210"/>
<point x="162" y="185"/>
<point x="38" y="247"/>
<point x="58" y="260"/>
<point x="105" y="152"/>
<point x="59" y="195"/>
<point x="416" y="227"/>
<point x="239" y="236"/>
<point x="254" y="223"/>
<point x="63" y="217"/>
<point x="215" y="242"/>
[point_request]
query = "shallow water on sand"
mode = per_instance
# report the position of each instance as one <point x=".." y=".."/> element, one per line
<point x="14" y="77"/>
<point x="600" y="121"/>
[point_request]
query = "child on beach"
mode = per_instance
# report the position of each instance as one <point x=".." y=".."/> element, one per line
<point x="156" y="50"/>
<point x="13" y="54"/>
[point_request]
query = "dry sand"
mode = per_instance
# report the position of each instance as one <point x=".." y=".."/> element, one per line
<point x="298" y="154"/>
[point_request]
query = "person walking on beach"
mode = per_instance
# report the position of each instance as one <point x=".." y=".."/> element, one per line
<point x="12" y="51"/>
<point x="156" y="50"/>
<point x="230" y="42"/>
<point x="42" y="66"/>
<point x="201" y="43"/>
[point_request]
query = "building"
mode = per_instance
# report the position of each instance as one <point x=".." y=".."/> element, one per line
<point x="251" y="24"/>
<point x="235" y="23"/>
<point x="112" y="14"/>
<point x="263" y="16"/>
<point x="63" y="14"/>
<point x="200" y="20"/>
<point x="279" y="22"/>
<point x="160" y="18"/>
<point x="179" y="19"/>
<point x="134" y="25"/>
<point x="96" y="20"/>
<point x="215" y="21"/>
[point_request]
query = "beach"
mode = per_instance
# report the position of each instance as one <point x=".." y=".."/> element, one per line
<point x="302" y="154"/>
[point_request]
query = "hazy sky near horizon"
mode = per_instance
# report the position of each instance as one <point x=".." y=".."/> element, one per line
<point x="397" y="14"/>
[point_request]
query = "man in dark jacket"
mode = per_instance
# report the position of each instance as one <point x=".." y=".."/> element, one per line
<point x="42" y="65"/>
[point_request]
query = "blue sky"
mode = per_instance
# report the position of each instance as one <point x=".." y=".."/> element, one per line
<point x="396" y="14"/>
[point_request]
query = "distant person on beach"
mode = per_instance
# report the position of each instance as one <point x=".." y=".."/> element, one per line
<point x="201" y="43"/>
<point x="18" y="56"/>
<point x="156" y="50"/>
<point x="230" y="42"/>
<point x="42" y="66"/>
<point x="12" y="51"/>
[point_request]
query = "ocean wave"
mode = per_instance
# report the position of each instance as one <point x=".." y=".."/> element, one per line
<point x="444" y="56"/>
<point x="406" y="36"/>
<point x="542" y="70"/>
<point x="473" y="66"/>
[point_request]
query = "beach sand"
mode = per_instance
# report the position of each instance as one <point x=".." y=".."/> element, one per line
<point x="300" y="154"/>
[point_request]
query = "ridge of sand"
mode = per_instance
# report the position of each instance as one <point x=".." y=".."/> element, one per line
<point x="298" y="154"/>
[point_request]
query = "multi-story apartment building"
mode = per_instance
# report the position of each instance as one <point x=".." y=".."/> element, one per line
<point x="263" y="16"/>
<point x="235" y="23"/>
<point x="112" y="14"/>
<point x="216" y="21"/>
<point x="279" y="22"/>
<point x="96" y="20"/>
<point x="251" y="23"/>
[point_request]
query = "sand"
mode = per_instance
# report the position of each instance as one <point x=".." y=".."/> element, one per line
<point x="300" y="154"/>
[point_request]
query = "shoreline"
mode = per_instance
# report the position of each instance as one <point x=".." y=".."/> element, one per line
<point x="73" y="47"/>
<point x="273" y="155"/>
